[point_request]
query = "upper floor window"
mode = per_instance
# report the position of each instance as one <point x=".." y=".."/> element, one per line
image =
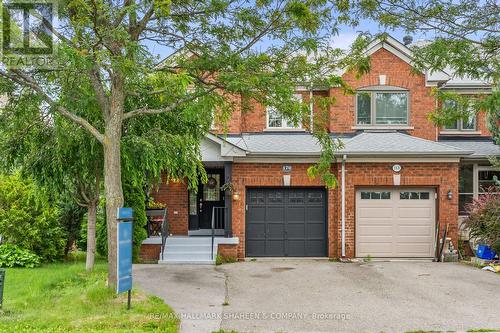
<point x="467" y="124"/>
<point x="275" y="119"/>
<point x="382" y="107"/>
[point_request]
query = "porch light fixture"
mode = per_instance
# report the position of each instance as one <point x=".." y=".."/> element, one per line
<point x="449" y="195"/>
<point x="236" y="196"/>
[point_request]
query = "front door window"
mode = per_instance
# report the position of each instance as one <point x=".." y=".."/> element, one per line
<point x="193" y="203"/>
<point x="211" y="190"/>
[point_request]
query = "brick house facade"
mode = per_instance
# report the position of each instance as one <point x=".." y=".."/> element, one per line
<point x="411" y="170"/>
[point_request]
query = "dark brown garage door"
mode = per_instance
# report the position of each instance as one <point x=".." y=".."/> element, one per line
<point x="283" y="222"/>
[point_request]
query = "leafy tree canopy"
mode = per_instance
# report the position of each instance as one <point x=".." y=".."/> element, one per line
<point x="464" y="39"/>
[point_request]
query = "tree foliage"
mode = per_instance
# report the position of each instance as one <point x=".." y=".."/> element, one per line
<point x="28" y="219"/>
<point x="223" y="52"/>
<point x="464" y="39"/>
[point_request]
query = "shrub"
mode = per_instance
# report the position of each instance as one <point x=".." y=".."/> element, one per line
<point x="28" y="219"/>
<point x="14" y="256"/>
<point x="483" y="221"/>
<point x="70" y="218"/>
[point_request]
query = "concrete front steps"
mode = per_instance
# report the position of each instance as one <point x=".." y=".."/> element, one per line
<point x="192" y="250"/>
<point x="188" y="250"/>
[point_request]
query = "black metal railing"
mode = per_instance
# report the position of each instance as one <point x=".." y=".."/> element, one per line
<point x="157" y="225"/>
<point x="219" y="221"/>
<point x="164" y="233"/>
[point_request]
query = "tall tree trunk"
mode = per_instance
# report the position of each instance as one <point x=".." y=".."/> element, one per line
<point x="91" y="226"/>
<point x="114" y="200"/>
<point x="113" y="172"/>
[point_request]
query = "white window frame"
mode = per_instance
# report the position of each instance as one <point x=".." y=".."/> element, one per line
<point x="373" y="108"/>
<point x="476" y="168"/>
<point x="285" y="124"/>
<point x="460" y="127"/>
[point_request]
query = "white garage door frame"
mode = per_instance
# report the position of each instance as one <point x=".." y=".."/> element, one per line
<point x="396" y="225"/>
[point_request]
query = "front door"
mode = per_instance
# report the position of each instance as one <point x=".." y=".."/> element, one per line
<point x="209" y="195"/>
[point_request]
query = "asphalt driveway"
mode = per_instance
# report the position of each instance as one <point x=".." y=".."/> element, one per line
<point x="322" y="296"/>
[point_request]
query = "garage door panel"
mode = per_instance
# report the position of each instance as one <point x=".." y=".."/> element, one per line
<point x="369" y="248"/>
<point x="257" y="214"/>
<point x="414" y="212"/>
<point x="413" y="249"/>
<point x="296" y="214"/>
<point x="257" y="247"/>
<point x="375" y="239"/>
<point x="276" y="230"/>
<point x="415" y="230"/>
<point x="315" y="214"/>
<point x="315" y="230"/>
<point x="402" y="226"/>
<point x="257" y="230"/>
<point x="296" y="248"/>
<point x="275" y="215"/>
<point x="376" y="212"/>
<point x="374" y="230"/>
<point x="292" y="221"/>
<point x="296" y="230"/>
<point x="315" y="248"/>
<point x="274" y="248"/>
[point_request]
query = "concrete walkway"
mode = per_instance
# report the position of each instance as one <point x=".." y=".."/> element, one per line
<point x="322" y="296"/>
<point x="195" y="292"/>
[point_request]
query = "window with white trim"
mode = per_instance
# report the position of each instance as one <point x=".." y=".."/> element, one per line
<point x="275" y="119"/>
<point x="467" y="124"/>
<point x="382" y="108"/>
<point x="473" y="181"/>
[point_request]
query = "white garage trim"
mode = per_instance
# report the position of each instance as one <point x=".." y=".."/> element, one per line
<point x="395" y="222"/>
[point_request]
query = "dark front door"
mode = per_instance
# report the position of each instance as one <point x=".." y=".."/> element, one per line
<point x="209" y="195"/>
<point x="286" y="222"/>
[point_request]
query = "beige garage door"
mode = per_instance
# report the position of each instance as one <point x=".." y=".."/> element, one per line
<point x="395" y="222"/>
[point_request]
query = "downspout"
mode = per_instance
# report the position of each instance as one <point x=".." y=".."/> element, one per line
<point x="311" y="108"/>
<point x="436" y="105"/>
<point x="343" y="205"/>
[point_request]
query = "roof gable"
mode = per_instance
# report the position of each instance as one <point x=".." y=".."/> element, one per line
<point x="400" y="50"/>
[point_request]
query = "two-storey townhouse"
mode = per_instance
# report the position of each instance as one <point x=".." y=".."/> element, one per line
<point x="402" y="180"/>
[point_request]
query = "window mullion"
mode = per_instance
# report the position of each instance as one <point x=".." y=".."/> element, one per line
<point x="373" y="112"/>
<point x="475" y="181"/>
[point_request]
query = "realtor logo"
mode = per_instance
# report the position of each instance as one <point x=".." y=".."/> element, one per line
<point x="28" y="33"/>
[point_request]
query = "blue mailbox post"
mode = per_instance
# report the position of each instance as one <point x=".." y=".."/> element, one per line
<point x="124" y="251"/>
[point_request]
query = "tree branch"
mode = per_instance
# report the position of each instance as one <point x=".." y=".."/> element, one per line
<point x="169" y="108"/>
<point x="25" y="80"/>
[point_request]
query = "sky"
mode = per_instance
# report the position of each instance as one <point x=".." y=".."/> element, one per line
<point x="343" y="40"/>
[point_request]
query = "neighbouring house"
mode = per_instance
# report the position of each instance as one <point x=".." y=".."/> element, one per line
<point x="402" y="180"/>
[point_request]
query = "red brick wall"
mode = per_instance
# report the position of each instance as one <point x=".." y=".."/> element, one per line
<point x="442" y="176"/>
<point x="254" y="118"/>
<point x="398" y="73"/>
<point x="227" y="250"/>
<point x="233" y="124"/>
<point x="482" y="124"/>
<point x="149" y="252"/>
<point x="271" y="174"/>
<point x="175" y="196"/>
<point x="341" y="116"/>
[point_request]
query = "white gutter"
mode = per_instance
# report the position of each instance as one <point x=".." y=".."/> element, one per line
<point x="343" y="205"/>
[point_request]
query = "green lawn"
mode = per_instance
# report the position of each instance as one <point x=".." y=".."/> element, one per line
<point x="62" y="297"/>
